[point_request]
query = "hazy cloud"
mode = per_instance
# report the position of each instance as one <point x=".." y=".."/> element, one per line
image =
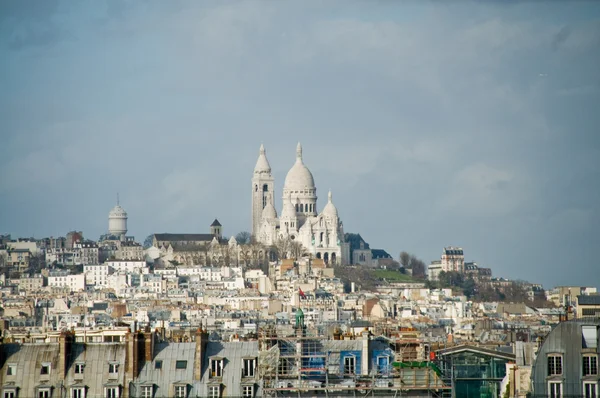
<point x="434" y="124"/>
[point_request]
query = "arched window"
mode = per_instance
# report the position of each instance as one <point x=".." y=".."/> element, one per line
<point x="255" y="188"/>
<point x="265" y="188"/>
<point x="321" y="239"/>
<point x="318" y="255"/>
<point x="296" y="207"/>
<point x="301" y="208"/>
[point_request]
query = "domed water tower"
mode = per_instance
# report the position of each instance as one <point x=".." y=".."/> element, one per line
<point x="117" y="222"/>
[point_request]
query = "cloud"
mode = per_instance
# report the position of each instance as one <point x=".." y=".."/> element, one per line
<point x="428" y="121"/>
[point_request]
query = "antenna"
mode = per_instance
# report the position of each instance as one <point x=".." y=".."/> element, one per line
<point x="117" y="198"/>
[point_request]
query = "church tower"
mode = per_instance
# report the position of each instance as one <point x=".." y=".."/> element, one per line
<point x="262" y="190"/>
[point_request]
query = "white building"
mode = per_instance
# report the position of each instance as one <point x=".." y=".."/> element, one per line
<point x="321" y="234"/>
<point x="62" y="279"/>
<point x="453" y="259"/>
<point x="130" y="266"/>
<point x="97" y="274"/>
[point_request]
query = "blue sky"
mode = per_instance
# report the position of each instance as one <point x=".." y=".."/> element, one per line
<point x="433" y="123"/>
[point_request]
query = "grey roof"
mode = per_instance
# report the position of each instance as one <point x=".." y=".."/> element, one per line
<point x="233" y="353"/>
<point x="164" y="378"/>
<point x="216" y="223"/>
<point x="588" y="300"/>
<point x="184" y="237"/>
<point x="96" y="358"/>
<point x="29" y="358"/>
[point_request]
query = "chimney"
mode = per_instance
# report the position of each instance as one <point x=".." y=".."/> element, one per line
<point x="148" y="346"/>
<point x="201" y="342"/>
<point x="132" y="358"/>
<point x="365" y="353"/>
<point x="65" y="342"/>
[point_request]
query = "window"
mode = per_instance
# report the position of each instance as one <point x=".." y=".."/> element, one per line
<point x="180" y="364"/>
<point x="11" y="370"/>
<point x="555" y="390"/>
<point x="590" y="390"/>
<point x="45" y="370"/>
<point x="590" y="365"/>
<point x="216" y="368"/>
<point x="78" y="392"/>
<point x="12" y="393"/>
<point x="113" y="368"/>
<point x="158" y="365"/>
<point x="214" y="391"/>
<point x="248" y="391"/>
<point x="590" y="336"/>
<point x="146" y="391"/>
<point x="111" y="392"/>
<point x="349" y="365"/>
<point x="249" y="366"/>
<point x="79" y="368"/>
<point x="43" y="393"/>
<point x="554" y="365"/>
<point x="180" y="391"/>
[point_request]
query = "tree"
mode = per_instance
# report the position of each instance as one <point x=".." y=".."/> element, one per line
<point x="296" y="249"/>
<point x="418" y="267"/>
<point x="148" y="241"/>
<point x="243" y="238"/>
<point x="404" y="259"/>
<point x="282" y="247"/>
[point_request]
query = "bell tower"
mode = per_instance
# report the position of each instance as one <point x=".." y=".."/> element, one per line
<point x="262" y="190"/>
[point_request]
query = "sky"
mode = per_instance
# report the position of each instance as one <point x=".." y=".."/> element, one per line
<point x="472" y="124"/>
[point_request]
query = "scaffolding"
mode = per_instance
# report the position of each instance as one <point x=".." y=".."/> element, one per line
<point x="306" y="363"/>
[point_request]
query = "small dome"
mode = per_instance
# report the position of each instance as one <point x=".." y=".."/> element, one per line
<point x="262" y="164"/>
<point x="289" y="210"/>
<point x="117" y="212"/>
<point x="299" y="177"/>
<point x="330" y="210"/>
<point x="269" y="212"/>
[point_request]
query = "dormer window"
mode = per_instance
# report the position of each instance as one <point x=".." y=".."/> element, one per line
<point x="249" y="366"/>
<point x="113" y="369"/>
<point x="45" y="369"/>
<point x="11" y="369"/>
<point x="216" y="367"/>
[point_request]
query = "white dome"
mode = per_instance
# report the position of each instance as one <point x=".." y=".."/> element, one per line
<point x="262" y="164"/>
<point x="269" y="212"/>
<point x="117" y="212"/>
<point x="299" y="177"/>
<point x="289" y="210"/>
<point x="330" y="210"/>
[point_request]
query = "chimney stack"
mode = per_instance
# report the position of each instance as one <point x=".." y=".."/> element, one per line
<point x="148" y="346"/>
<point x="201" y="342"/>
<point x="65" y="343"/>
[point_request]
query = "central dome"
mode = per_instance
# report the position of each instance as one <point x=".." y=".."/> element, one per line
<point x="299" y="177"/>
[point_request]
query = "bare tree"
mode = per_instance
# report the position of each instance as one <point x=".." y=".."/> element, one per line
<point x="296" y="249"/>
<point x="282" y="247"/>
<point x="243" y="238"/>
<point x="418" y="267"/>
<point x="404" y="259"/>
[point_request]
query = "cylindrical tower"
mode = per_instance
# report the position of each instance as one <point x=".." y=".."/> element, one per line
<point x="117" y="222"/>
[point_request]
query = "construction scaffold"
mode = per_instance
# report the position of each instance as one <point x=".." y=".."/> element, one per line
<point x="307" y="363"/>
